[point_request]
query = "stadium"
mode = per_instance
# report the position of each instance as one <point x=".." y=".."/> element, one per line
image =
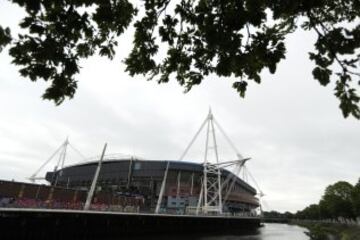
<point x="143" y="179"/>
<point x="127" y="183"/>
<point x="137" y="196"/>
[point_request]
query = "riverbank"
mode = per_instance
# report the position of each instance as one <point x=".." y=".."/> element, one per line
<point x="333" y="231"/>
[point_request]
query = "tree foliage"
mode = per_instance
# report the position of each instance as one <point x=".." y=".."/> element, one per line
<point x="340" y="199"/>
<point x="229" y="38"/>
<point x="310" y="212"/>
<point x="356" y="198"/>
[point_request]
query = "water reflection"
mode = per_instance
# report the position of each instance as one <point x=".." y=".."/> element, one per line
<point x="268" y="232"/>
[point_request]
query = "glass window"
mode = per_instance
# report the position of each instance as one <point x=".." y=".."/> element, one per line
<point x="137" y="166"/>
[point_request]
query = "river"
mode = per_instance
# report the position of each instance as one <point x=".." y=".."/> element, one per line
<point x="271" y="231"/>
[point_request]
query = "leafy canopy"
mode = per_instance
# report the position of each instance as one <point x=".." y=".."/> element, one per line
<point x="356" y="198"/>
<point x="229" y="38"/>
<point x="340" y="199"/>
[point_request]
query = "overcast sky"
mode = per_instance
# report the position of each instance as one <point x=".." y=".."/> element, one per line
<point x="289" y="125"/>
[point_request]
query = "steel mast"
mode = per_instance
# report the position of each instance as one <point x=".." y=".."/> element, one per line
<point x="211" y="199"/>
<point x="94" y="181"/>
<point x="212" y="173"/>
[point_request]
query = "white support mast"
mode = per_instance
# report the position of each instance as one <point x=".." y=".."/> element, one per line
<point x="178" y="187"/>
<point x="212" y="173"/>
<point x="198" y="206"/>
<point x="93" y="184"/>
<point x="162" y="189"/>
<point x="205" y="183"/>
<point x="211" y="199"/>
<point x="218" y="169"/>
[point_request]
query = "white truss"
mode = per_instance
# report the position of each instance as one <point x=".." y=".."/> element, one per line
<point x="212" y="173"/>
<point x="212" y="189"/>
<point x="211" y="195"/>
<point x="214" y="192"/>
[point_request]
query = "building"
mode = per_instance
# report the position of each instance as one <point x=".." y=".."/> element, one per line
<point x="144" y="178"/>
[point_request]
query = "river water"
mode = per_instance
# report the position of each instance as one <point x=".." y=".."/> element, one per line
<point x="271" y="231"/>
<point x="274" y="231"/>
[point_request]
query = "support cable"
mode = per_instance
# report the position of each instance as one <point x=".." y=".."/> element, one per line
<point x="193" y="139"/>
<point x="229" y="177"/>
<point x="228" y="139"/>
<point x="261" y="194"/>
<point x="59" y="160"/>
<point x="77" y="151"/>
<point x="252" y="177"/>
<point x="33" y="177"/>
<point x="238" y="170"/>
<point x="64" y="153"/>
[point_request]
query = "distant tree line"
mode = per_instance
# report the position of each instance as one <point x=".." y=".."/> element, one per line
<point x="340" y="200"/>
<point x="278" y="215"/>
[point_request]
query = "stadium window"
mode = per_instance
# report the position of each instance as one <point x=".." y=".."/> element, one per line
<point x="137" y="166"/>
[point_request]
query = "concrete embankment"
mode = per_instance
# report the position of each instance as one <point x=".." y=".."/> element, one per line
<point x="70" y="224"/>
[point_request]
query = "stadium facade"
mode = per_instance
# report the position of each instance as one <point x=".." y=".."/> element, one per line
<point x="144" y="178"/>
